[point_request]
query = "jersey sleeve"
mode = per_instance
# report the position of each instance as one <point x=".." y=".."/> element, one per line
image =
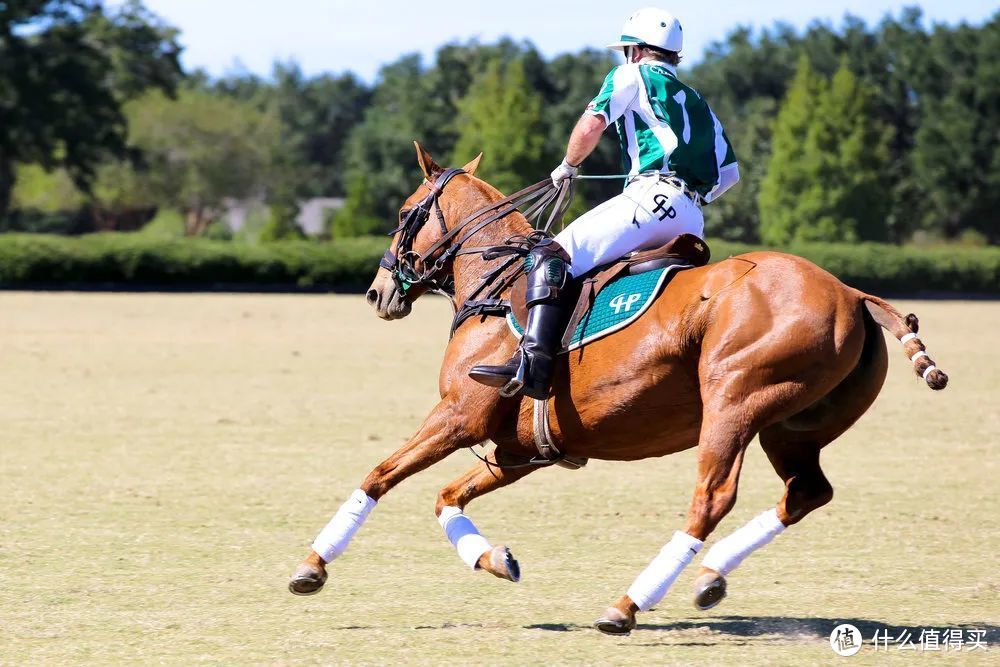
<point x="729" y="154"/>
<point x="620" y="89"/>
<point x="725" y="157"/>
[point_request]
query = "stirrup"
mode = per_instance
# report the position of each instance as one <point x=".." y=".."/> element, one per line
<point x="516" y="383"/>
<point x="525" y="384"/>
<point x="512" y="388"/>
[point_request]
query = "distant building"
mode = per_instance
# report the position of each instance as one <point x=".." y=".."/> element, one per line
<point x="238" y="211"/>
<point x="311" y="219"/>
<point x="313" y="213"/>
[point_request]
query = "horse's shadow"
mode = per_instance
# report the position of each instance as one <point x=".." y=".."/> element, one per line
<point x="788" y="627"/>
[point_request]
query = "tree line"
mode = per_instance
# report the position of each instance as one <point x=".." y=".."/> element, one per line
<point x="844" y="133"/>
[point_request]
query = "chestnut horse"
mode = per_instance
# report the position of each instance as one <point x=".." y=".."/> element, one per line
<point x="762" y="343"/>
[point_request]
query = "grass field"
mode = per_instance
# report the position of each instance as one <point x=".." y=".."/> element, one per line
<point x="165" y="461"/>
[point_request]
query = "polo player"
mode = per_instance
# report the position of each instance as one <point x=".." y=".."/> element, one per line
<point x="677" y="157"/>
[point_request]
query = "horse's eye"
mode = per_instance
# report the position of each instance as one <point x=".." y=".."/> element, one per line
<point x="403" y="214"/>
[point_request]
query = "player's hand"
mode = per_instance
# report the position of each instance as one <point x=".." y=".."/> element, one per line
<point x="563" y="171"/>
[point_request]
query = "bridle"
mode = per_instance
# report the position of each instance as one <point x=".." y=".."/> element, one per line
<point x="403" y="263"/>
<point x="411" y="268"/>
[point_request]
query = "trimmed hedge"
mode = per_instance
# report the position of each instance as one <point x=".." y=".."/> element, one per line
<point x="876" y="267"/>
<point x="130" y="261"/>
<point x="124" y="260"/>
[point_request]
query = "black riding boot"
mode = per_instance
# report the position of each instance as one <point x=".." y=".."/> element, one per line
<point x="529" y="371"/>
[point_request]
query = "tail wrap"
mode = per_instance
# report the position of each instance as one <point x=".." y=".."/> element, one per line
<point x="905" y="330"/>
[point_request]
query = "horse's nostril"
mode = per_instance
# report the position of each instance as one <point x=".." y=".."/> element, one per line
<point x="372" y="296"/>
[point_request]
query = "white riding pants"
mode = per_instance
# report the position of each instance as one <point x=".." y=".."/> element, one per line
<point x="646" y="215"/>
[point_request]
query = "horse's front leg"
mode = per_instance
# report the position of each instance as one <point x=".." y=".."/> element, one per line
<point x="474" y="549"/>
<point x="443" y="432"/>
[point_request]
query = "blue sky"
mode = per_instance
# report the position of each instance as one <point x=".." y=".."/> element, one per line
<point x="361" y="35"/>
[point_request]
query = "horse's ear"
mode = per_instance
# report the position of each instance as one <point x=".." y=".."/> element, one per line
<point x="473" y="164"/>
<point x="426" y="162"/>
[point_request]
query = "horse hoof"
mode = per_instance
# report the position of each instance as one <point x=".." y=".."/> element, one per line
<point x="307" y="580"/>
<point x="709" y="589"/>
<point x="615" y="622"/>
<point x="501" y="563"/>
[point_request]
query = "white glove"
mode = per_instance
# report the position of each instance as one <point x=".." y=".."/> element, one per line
<point x="563" y="171"/>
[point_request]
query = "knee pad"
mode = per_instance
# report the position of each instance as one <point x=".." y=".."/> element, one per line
<point x="546" y="266"/>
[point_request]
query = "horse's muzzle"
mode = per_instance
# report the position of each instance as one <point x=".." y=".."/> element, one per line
<point x="386" y="297"/>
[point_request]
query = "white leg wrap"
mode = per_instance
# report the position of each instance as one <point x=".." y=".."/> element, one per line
<point x="730" y="551"/>
<point x="463" y="535"/>
<point x="650" y="586"/>
<point x="333" y="539"/>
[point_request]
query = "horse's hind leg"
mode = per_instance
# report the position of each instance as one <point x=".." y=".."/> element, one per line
<point x="441" y="434"/>
<point x="472" y="547"/>
<point x="723" y="440"/>
<point x="793" y="447"/>
<point x="806" y="489"/>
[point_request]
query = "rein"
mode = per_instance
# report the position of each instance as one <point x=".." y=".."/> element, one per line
<point x="410" y="268"/>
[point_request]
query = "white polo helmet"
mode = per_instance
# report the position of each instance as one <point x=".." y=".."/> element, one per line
<point x="652" y="27"/>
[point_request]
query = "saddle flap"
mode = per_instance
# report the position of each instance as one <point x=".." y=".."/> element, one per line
<point x="684" y="251"/>
<point x="518" y="300"/>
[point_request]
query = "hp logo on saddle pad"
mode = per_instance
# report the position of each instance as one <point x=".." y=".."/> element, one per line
<point x="623" y="302"/>
<point x="845" y="639"/>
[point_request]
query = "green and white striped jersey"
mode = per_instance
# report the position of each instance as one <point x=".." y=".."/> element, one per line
<point x="666" y="126"/>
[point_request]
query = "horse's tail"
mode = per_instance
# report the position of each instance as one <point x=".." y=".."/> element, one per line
<point x="905" y="330"/>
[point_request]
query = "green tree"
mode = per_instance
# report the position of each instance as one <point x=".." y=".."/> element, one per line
<point x="317" y="115"/>
<point x="846" y="157"/>
<point x="787" y="176"/>
<point x="745" y="67"/>
<point x="66" y="67"/>
<point x="331" y="107"/>
<point x="281" y="225"/>
<point x="826" y="177"/>
<point x="50" y="192"/>
<point x="141" y="48"/>
<point x="355" y="217"/>
<point x="381" y="147"/>
<point x="956" y="154"/>
<point x="197" y="151"/>
<point x="502" y="117"/>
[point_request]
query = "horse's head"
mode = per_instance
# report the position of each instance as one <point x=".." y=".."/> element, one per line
<point x="412" y="265"/>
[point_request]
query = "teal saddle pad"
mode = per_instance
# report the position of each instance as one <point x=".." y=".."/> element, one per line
<point x="620" y="303"/>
